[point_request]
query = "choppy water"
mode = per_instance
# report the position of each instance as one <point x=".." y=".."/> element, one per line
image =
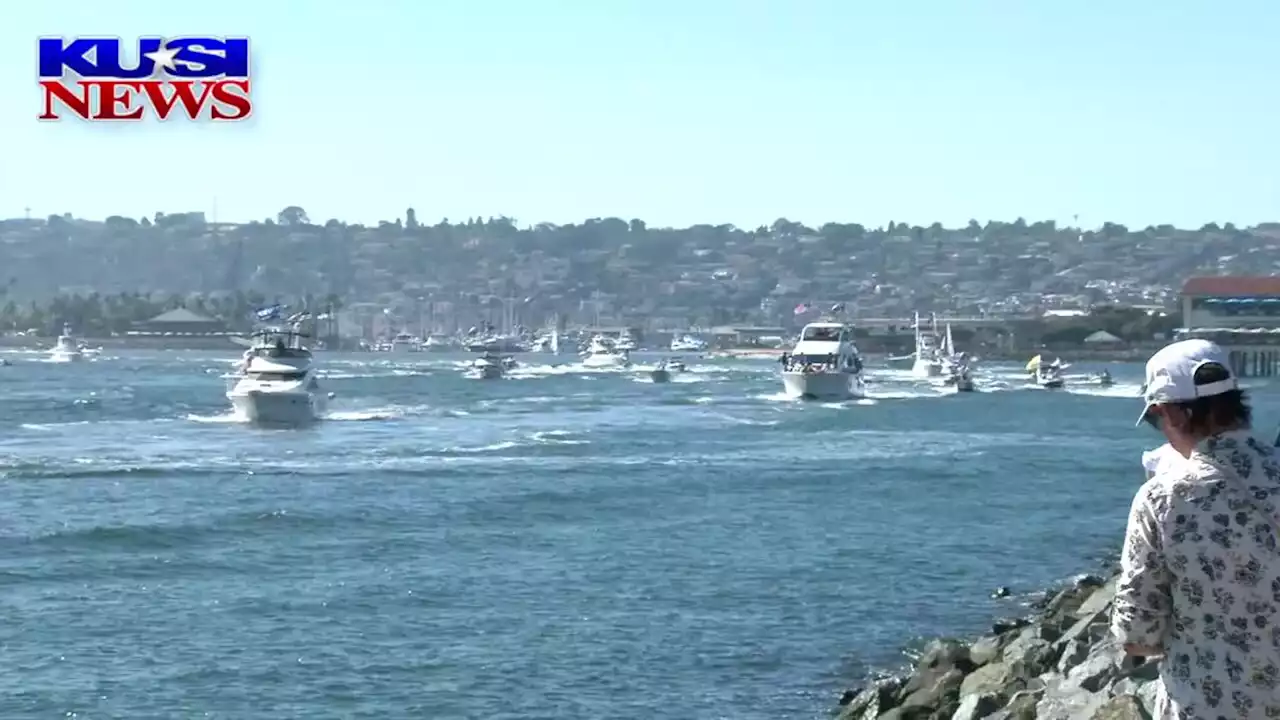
<point x="561" y="544"/>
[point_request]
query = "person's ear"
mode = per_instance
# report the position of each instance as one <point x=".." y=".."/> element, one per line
<point x="1176" y="417"/>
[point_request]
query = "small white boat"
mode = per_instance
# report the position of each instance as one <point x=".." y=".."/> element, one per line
<point x="1047" y="376"/>
<point x="486" y="367"/>
<point x="404" y="342"/>
<point x="601" y="353"/>
<point x="1050" y="380"/>
<point x="1104" y="379"/>
<point x="277" y="383"/>
<point x="67" y="348"/>
<point x="439" y="343"/>
<point x="665" y="368"/>
<point x="824" y="365"/>
<point x="688" y="343"/>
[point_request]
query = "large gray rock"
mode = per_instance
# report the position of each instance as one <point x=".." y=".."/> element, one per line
<point x="1121" y="707"/>
<point x="941" y="695"/>
<point x="994" y="679"/>
<point x="1022" y="706"/>
<point x="874" y="700"/>
<point x="1144" y="690"/>
<point x="1099" y="600"/>
<point x="1032" y="651"/>
<point x="978" y="705"/>
<point x="986" y="649"/>
<point x="1064" y="700"/>
<point x="1058" y="664"/>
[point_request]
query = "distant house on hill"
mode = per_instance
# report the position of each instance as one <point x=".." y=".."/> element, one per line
<point x="180" y="321"/>
<point x="1102" y="337"/>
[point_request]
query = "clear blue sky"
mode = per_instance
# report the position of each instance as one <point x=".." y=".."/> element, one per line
<point x="684" y="111"/>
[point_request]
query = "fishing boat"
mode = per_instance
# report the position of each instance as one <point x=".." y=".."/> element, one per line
<point x="928" y="353"/>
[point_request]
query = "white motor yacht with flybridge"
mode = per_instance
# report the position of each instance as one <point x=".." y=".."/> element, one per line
<point x="278" y="383"/>
<point x="825" y="364"/>
<point x="602" y="353"/>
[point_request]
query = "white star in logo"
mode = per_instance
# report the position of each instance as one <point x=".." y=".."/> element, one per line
<point x="163" y="58"/>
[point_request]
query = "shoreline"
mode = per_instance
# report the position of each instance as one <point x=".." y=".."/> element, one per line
<point x="1057" y="663"/>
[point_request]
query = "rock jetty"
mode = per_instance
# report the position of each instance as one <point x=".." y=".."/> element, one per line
<point x="1060" y="663"/>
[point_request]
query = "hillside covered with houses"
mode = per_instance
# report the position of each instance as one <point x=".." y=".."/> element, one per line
<point x="604" y="270"/>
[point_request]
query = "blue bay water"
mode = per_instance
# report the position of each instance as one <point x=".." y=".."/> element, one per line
<point x="560" y="544"/>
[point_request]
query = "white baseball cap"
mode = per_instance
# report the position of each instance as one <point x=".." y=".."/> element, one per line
<point x="1171" y="374"/>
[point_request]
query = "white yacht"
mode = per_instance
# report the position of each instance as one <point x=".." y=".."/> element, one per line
<point x="439" y="343"/>
<point x="488" y="366"/>
<point x="494" y="343"/>
<point x="626" y="342"/>
<point x="277" y="383"/>
<point x="67" y="348"/>
<point x="688" y="343"/>
<point x="927" y="361"/>
<point x="602" y="353"/>
<point x="825" y="364"/>
<point x="547" y="342"/>
<point x="404" y="342"/>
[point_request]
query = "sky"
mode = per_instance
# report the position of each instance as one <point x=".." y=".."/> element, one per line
<point x="681" y="112"/>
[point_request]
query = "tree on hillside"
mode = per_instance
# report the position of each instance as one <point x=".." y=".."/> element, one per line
<point x="293" y="215"/>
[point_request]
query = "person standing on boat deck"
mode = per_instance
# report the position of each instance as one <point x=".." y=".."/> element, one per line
<point x="1199" y="584"/>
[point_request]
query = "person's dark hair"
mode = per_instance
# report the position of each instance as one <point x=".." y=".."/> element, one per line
<point x="1228" y="409"/>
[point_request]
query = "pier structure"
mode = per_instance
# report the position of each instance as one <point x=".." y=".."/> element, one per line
<point x="1242" y="314"/>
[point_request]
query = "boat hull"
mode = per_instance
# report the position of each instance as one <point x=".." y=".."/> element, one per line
<point x="63" y="356"/>
<point x="485" y="372"/>
<point x="278" y="408"/>
<point x="660" y="376"/>
<point x="605" y="361"/>
<point x="823" y="385"/>
<point x="926" y="368"/>
<point x="1050" y="383"/>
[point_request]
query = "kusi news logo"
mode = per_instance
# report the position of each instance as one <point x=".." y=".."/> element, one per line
<point x="197" y="77"/>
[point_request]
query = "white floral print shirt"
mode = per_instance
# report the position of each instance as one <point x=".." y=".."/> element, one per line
<point x="1200" y="579"/>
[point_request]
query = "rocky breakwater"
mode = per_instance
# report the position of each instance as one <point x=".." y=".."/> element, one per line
<point x="1060" y="663"/>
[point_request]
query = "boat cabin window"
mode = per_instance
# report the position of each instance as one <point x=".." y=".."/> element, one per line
<point x="822" y="334"/>
<point x="278" y="376"/>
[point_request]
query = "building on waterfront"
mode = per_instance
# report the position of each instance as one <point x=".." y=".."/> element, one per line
<point x="180" y="321"/>
<point x="1242" y="314"/>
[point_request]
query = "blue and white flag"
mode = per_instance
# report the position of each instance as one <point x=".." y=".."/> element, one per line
<point x="269" y="313"/>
